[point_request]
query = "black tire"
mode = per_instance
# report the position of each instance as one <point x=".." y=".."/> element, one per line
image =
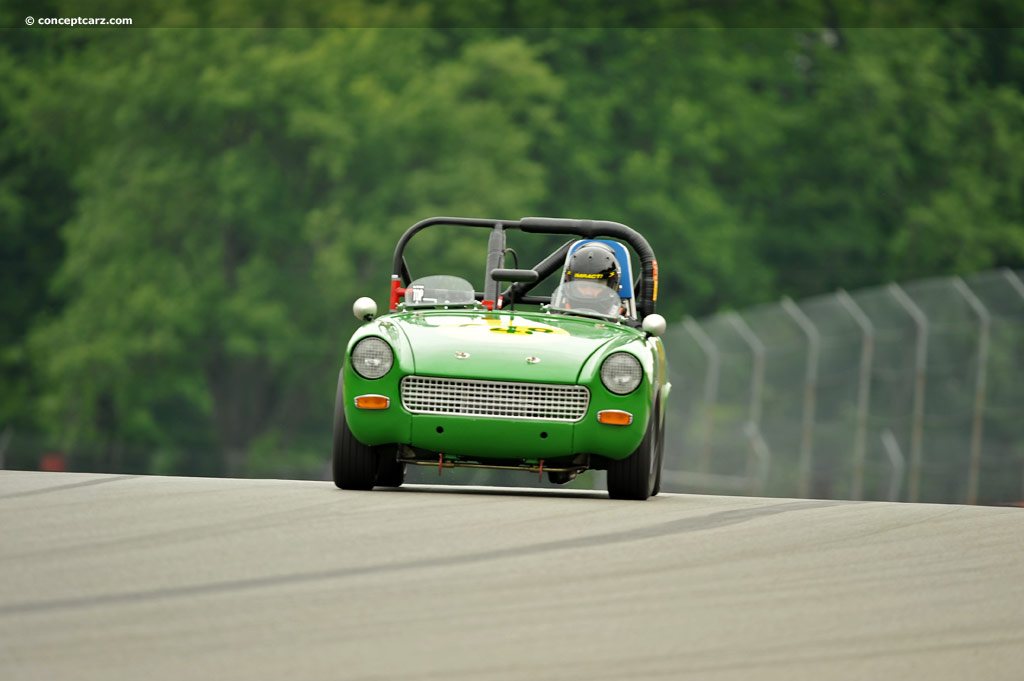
<point x="634" y="477"/>
<point x="390" y="472"/>
<point x="354" y="464"/>
<point x="661" y="456"/>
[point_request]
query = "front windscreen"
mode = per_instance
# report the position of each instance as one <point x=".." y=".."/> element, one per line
<point x="587" y="297"/>
<point x="439" y="290"/>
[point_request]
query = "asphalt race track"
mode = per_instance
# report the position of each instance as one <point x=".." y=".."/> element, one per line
<point x="127" y="577"/>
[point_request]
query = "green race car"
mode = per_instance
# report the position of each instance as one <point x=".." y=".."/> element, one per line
<point x="451" y="376"/>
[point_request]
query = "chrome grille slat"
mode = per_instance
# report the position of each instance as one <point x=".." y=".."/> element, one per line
<point x="494" y="399"/>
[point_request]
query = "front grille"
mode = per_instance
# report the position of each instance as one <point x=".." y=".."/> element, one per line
<point x="495" y="399"/>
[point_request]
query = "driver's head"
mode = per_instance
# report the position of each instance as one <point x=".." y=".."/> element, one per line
<point x="593" y="267"/>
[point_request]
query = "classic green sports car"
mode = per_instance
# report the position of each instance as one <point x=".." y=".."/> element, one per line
<point x="507" y="379"/>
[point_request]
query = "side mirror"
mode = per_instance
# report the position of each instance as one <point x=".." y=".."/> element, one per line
<point x="365" y="309"/>
<point x="499" y="274"/>
<point x="655" y="324"/>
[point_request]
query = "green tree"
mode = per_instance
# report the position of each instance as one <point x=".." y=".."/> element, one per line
<point x="237" y="191"/>
<point x="35" y="201"/>
<point x="902" y="165"/>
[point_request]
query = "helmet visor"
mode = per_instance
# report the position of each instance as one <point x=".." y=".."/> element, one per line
<point x="586" y="296"/>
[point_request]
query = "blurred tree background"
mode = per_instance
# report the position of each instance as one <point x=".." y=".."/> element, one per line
<point x="187" y="213"/>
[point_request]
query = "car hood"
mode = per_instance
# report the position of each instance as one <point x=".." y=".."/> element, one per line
<point x="504" y="346"/>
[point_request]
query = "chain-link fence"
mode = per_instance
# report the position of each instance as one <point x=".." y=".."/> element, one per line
<point x="912" y="392"/>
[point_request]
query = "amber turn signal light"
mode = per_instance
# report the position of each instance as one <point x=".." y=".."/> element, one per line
<point x="615" y="417"/>
<point x="372" y="402"/>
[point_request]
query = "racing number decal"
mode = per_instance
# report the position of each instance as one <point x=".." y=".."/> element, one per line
<point x="520" y="330"/>
<point x="500" y="325"/>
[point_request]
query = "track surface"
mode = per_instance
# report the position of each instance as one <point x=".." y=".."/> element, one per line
<point x="123" y="577"/>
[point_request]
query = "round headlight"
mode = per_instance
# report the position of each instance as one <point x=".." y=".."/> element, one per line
<point x="372" y="357"/>
<point x="621" y="373"/>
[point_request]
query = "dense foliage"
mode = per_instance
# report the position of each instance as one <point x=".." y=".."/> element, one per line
<point x="186" y="214"/>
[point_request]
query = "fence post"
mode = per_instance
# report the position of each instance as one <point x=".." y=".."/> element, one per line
<point x="1014" y="281"/>
<point x="920" y="367"/>
<point x="757" y="378"/>
<point x="810" y="393"/>
<point x="758" y="448"/>
<point x="863" y="389"/>
<point x="710" y="387"/>
<point x="757" y="467"/>
<point x="977" y="420"/>
<point x="896" y="463"/>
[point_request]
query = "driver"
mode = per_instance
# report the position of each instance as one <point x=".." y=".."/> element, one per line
<point x="592" y="269"/>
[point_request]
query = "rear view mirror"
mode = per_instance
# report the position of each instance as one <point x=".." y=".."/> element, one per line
<point x="528" y="276"/>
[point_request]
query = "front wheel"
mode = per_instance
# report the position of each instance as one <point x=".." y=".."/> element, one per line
<point x="390" y="471"/>
<point x="635" y="476"/>
<point x="354" y="464"/>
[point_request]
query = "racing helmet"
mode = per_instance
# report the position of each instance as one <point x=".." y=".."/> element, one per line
<point x="594" y="262"/>
<point x="591" y="279"/>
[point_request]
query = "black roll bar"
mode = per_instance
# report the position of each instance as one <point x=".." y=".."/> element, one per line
<point x="646" y="296"/>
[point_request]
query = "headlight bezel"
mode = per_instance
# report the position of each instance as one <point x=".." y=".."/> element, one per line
<point x="621" y="365"/>
<point x="368" y="350"/>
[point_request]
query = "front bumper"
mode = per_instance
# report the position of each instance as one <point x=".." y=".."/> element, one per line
<point x="499" y="438"/>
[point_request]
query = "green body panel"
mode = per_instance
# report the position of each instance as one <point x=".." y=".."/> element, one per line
<point x="499" y="343"/>
<point x="570" y="350"/>
<point x="376" y="427"/>
<point x="503" y="438"/>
